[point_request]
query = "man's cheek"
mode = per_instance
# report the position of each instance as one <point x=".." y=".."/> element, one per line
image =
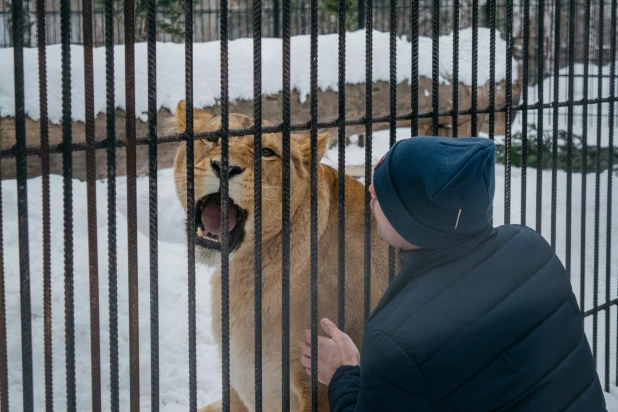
<point x="380" y="232"/>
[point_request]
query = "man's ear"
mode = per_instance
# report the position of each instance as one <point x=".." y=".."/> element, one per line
<point x="303" y="144"/>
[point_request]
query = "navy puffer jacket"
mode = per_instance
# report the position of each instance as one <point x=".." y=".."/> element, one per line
<point x="489" y="324"/>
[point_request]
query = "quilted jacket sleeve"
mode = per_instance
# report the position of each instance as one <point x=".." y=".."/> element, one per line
<point x="344" y="388"/>
<point x="387" y="380"/>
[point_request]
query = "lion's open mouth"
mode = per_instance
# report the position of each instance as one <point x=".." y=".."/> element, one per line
<point x="208" y="220"/>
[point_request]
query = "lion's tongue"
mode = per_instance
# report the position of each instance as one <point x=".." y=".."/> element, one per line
<point x="211" y="216"/>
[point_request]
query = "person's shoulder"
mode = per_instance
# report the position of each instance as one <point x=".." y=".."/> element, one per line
<point x="516" y="228"/>
<point x="523" y="235"/>
<point x="521" y="242"/>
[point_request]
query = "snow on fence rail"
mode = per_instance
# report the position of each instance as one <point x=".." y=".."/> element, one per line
<point x="206" y="69"/>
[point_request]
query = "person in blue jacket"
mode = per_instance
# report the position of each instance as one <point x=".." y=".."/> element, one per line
<point x="479" y="318"/>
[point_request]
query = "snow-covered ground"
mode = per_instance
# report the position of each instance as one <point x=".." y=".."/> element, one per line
<point x="173" y="283"/>
<point x="206" y="65"/>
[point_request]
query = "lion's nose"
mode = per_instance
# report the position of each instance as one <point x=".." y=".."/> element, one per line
<point x="232" y="170"/>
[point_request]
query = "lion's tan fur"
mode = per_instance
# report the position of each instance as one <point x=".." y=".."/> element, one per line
<point x="242" y="260"/>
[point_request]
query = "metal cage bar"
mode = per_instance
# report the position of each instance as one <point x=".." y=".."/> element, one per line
<point x="4" y="375"/>
<point x="341" y="168"/>
<point x="597" y="186"/>
<point x="285" y="210"/>
<point x="313" y="185"/>
<point x="93" y="257"/>
<point x="191" y="224"/>
<point x="225" y="253"/>
<point x="475" y="66"/>
<point x="582" y="295"/>
<point x="368" y="153"/>
<point x="539" y="132"/>
<point x="435" y="66"/>
<point x="257" y="196"/>
<point x="67" y="169"/>
<point x="571" y="87"/>
<point x="110" y="143"/>
<point x="415" y="57"/>
<point x="153" y="206"/>
<point x="492" y="68"/>
<point x="392" y="136"/>
<point x="455" y="82"/>
<point x="508" y="115"/>
<point x="524" y="114"/>
<point x="556" y="90"/>
<point x="610" y="175"/>
<point x="47" y="297"/>
<point x="129" y="55"/>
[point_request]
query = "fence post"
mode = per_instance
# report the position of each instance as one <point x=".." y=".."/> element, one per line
<point x="361" y="14"/>
<point x="277" y="18"/>
<point x="303" y="18"/>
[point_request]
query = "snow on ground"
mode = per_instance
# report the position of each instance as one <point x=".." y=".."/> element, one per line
<point x="206" y="65"/>
<point x="173" y="283"/>
<point x="592" y="120"/>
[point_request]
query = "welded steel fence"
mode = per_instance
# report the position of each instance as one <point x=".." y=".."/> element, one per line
<point x="207" y="17"/>
<point x="602" y="308"/>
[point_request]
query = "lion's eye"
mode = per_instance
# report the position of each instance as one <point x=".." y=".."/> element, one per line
<point x="266" y="152"/>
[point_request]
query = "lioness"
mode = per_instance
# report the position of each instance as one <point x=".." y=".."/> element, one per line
<point x="241" y="215"/>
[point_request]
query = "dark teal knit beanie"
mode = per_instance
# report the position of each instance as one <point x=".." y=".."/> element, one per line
<point x="436" y="190"/>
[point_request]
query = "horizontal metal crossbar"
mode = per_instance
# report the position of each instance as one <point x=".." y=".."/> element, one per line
<point x="180" y="137"/>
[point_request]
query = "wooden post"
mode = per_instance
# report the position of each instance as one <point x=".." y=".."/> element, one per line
<point x="361" y="140"/>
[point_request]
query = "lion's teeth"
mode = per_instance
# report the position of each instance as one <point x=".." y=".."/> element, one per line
<point x="202" y="234"/>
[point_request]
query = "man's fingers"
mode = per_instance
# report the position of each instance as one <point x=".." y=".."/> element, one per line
<point x="305" y="348"/>
<point x="329" y="327"/>
<point x="308" y="336"/>
<point x="305" y="361"/>
<point x="324" y="341"/>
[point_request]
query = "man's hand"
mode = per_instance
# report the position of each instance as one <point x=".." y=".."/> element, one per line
<point x="333" y="352"/>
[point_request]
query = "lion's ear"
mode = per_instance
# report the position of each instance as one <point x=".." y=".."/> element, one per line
<point x="178" y="123"/>
<point x="303" y="144"/>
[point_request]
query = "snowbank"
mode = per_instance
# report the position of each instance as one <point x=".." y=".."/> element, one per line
<point x="593" y="119"/>
<point x="173" y="284"/>
<point x="206" y="64"/>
